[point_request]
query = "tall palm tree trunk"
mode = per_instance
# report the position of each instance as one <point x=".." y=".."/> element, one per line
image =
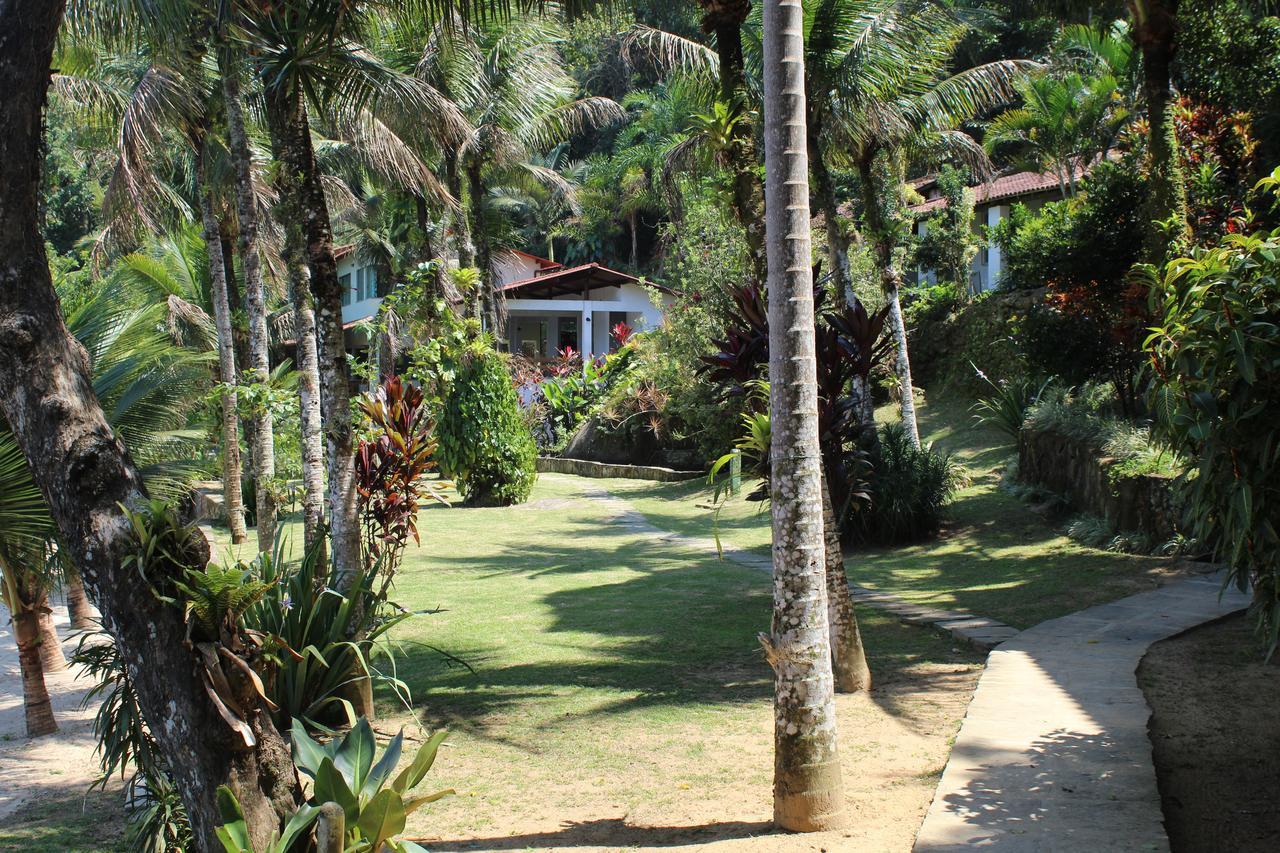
<point x="1155" y="31"/>
<point x="307" y="359"/>
<point x="264" y="455"/>
<point x="86" y="477"/>
<point x="807" y="792"/>
<point x="51" y="657"/>
<point x="848" y="657"/>
<point x="461" y="226"/>
<point x="825" y="190"/>
<point x="303" y="195"/>
<point x="724" y="18"/>
<point x="20" y="593"/>
<point x="78" y="607"/>
<point x="885" y="242"/>
<point x="486" y="298"/>
<point x="232" y="495"/>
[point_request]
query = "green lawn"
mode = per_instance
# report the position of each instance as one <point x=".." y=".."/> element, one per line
<point x="996" y="557"/>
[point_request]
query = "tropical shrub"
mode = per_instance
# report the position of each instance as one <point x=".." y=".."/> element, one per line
<point x="1215" y="361"/>
<point x="1006" y="407"/>
<point x="485" y="446"/>
<point x="909" y="488"/>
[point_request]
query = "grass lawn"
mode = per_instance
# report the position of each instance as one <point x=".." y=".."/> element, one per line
<point x="995" y="557"/>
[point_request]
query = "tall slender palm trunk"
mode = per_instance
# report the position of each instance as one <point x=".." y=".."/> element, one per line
<point x="807" y="793"/>
<point x="848" y="657"/>
<point x="837" y="242"/>
<point x="303" y="197"/>
<point x="78" y="606"/>
<point x="461" y="225"/>
<point x="264" y="456"/>
<point x="307" y="360"/>
<point x="232" y="495"/>
<point x="1156" y="31"/>
<point x="20" y="594"/>
<point x="51" y="657"/>
<point x="485" y="305"/>
<point x="882" y="235"/>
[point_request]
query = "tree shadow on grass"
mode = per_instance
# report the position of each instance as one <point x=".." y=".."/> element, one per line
<point x="612" y="833"/>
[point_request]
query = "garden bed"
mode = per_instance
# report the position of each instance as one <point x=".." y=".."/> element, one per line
<point x="1215" y="736"/>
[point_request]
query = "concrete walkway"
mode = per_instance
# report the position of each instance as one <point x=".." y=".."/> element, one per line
<point x="1053" y="754"/>
<point x="978" y="631"/>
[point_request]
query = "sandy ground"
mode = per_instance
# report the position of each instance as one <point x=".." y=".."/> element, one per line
<point x="894" y="744"/>
<point x="1215" y="733"/>
<point x="52" y="766"/>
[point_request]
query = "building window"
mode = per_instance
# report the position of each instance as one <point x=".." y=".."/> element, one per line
<point x="370" y="283"/>
<point x="345" y="281"/>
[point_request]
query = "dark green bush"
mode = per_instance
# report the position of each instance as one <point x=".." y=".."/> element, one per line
<point x="485" y="445"/>
<point x="910" y="489"/>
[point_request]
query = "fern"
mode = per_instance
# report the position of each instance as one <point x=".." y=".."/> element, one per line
<point x="217" y="597"/>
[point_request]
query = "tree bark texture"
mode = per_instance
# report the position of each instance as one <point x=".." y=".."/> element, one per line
<point x="307" y="360"/>
<point x="264" y="455"/>
<point x="232" y="493"/>
<point x="1156" y="33"/>
<point x="807" y="792"/>
<point x="848" y="657"/>
<point x="882" y="234"/>
<point x="21" y="594"/>
<point x="86" y="475"/>
<point x="52" y="658"/>
<point x="725" y="18"/>
<point x="303" y="197"/>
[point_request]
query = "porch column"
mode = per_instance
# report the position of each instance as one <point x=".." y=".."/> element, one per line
<point x="995" y="263"/>
<point x="584" y="337"/>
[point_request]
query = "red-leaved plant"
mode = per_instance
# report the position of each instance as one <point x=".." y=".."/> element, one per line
<point x="391" y="473"/>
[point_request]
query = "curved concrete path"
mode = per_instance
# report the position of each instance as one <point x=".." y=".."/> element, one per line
<point x="1053" y="754"/>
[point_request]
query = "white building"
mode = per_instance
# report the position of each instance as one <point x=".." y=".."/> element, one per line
<point x="992" y="202"/>
<point x="549" y="306"/>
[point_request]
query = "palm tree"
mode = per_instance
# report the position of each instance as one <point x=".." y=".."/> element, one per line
<point x="807" y="794"/>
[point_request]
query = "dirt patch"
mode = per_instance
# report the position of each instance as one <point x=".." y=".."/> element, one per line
<point x="1215" y="735"/>
<point x="714" y="791"/>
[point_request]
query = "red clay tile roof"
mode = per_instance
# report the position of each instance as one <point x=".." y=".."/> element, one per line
<point x="1017" y="185"/>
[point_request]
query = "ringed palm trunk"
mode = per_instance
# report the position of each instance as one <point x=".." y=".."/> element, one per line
<point x="78" y="607"/>
<point x="485" y="304"/>
<point x="303" y="197"/>
<point x="837" y="242"/>
<point x="890" y="279"/>
<point x="232" y="495"/>
<point x="807" y="791"/>
<point x="85" y="476"/>
<point x="725" y="19"/>
<point x="20" y="592"/>
<point x="461" y="227"/>
<point x="848" y="657"/>
<point x="1155" y="31"/>
<point x="51" y="657"/>
<point x="307" y="359"/>
<point x="264" y="456"/>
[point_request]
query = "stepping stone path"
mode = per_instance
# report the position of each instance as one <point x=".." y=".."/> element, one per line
<point x="1053" y="754"/>
<point x="981" y="633"/>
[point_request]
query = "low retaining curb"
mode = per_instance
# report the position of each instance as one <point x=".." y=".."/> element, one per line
<point x="586" y="468"/>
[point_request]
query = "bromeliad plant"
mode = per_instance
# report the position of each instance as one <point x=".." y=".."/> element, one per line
<point x="375" y="805"/>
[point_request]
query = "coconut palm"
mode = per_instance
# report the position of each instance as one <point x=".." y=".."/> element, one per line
<point x="807" y="792"/>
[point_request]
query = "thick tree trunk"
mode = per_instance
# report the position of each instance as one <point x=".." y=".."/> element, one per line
<point x="302" y="194"/>
<point x="51" y="657"/>
<point x="232" y="495"/>
<point x="1156" y="31"/>
<point x="36" y="705"/>
<point x="78" y="607"/>
<point x="264" y="454"/>
<point x="807" y="793"/>
<point x="725" y="19"/>
<point x="86" y="475"/>
<point x="308" y="366"/>
<point x="883" y="236"/>
<point x="848" y="657"/>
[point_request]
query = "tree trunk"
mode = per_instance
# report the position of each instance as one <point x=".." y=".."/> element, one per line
<point x="461" y="228"/>
<point x="78" y="607"/>
<point x="36" y="704"/>
<point x="848" y="657"/>
<point x="307" y="360"/>
<point x="264" y="455"/>
<point x="232" y="496"/>
<point x="837" y="242"/>
<point x="725" y="19"/>
<point x="51" y="657"/>
<point x="807" y="793"/>
<point x="302" y="195"/>
<point x="486" y="299"/>
<point x="86" y="476"/>
<point x="1156" y="31"/>
<point x="882" y="233"/>
<point x="635" y="243"/>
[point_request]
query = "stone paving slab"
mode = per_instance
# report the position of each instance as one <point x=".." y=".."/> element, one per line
<point x="1053" y="754"/>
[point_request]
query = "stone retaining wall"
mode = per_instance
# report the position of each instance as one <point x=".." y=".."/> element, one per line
<point x="1081" y="474"/>
<point x="586" y="468"/>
